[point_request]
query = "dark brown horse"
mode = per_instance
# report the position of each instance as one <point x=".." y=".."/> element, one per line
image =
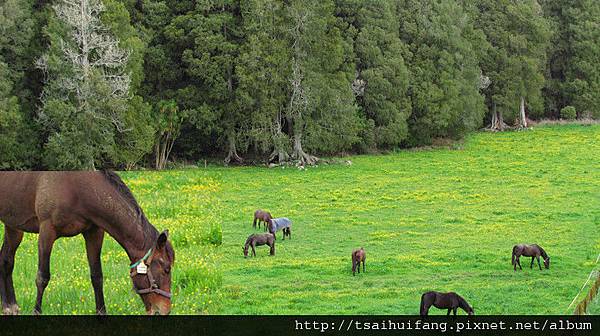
<point x="450" y="301"/>
<point x="358" y="256"/>
<point x="65" y="204"/>
<point x="257" y="239"/>
<point x="261" y="216"/>
<point x="534" y="251"/>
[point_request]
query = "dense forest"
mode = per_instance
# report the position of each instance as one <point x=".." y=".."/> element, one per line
<point x="88" y="84"/>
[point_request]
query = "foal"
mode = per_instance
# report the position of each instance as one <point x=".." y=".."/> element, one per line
<point x="450" y="301"/>
<point x="534" y="251"/>
<point x="258" y="239"/>
<point x="261" y="216"/>
<point x="358" y="256"/>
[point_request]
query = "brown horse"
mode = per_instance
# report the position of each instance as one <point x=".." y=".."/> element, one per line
<point x="450" y="301"/>
<point x="358" y="256"/>
<point x="65" y="204"/>
<point x="261" y="216"/>
<point x="256" y="239"/>
<point x="534" y="251"/>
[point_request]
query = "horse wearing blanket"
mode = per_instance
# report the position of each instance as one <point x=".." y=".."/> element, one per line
<point x="282" y="223"/>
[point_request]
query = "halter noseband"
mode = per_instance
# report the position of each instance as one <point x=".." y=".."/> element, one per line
<point x="153" y="285"/>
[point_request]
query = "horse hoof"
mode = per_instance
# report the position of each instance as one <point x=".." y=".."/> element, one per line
<point x="37" y="312"/>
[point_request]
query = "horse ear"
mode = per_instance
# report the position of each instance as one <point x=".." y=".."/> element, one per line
<point x="162" y="239"/>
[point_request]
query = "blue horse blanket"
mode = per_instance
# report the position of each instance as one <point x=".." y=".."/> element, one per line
<point x="280" y="223"/>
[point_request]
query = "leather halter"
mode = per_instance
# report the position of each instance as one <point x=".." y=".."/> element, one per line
<point x="153" y="285"/>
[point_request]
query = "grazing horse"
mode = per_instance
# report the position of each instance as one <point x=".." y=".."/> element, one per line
<point x="450" y="301"/>
<point x="534" y="251"/>
<point x="358" y="256"/>
<point x="261" y="216"/>
<point x="65" y="204"/>
<point x="282" y="223"/>
<point x="256" y="239"/>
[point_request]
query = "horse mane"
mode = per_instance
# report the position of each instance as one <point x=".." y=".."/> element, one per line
<point x="542" y="252"/>
<point x="120" y="186"/>
<point x="249" y="240"/>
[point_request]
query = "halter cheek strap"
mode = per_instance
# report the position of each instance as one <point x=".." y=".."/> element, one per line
<point x="153" y="285"/>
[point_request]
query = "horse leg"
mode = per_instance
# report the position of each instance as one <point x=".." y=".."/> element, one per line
<point x="364" y="264"/>
<point x="272" y="252"/>
<point x="12" y="240"/>
<point x="253" y="250"/>
<point x="538" y="260"/>
<point x="45" y="243"/>
<point x="519" y="262"/>
<point x="454" y="310"/>
<point x="532" y="259"/>
<point x="449" y="310"/>
<point x="424" y="307"/>
<point x="93" y="246"/>
<point x="254" y="223"/>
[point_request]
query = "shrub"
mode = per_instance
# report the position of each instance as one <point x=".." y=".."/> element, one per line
<point x="568" y="113"/>
<point x="215" y="235"/>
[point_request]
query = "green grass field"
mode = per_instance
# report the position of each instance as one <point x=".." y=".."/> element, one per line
<point x="439" y="219"/>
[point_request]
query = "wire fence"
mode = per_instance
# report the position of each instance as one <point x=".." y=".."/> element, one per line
<point x="582" y="306"/>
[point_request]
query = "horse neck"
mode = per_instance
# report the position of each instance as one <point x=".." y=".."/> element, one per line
<point x="136" y="239"/>
<point x="129" y="227"/>
<point x="543" y="253"/>
<point x="462" y="303"/>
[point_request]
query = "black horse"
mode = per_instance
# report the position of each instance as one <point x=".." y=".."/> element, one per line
<point x="534" y="251"/>
<point x="450" y="301"/>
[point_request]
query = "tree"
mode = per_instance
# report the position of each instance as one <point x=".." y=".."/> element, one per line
<point x="382" y="78"/>
<point x="263" y="71"/>
<point x="519" y="36"/>
<point x="445" y="73"/>
<point x="168" y="123"/>
<point x="573" y="77"/>
<point x="18" y="142"/>
<point x="210" y="37"/>
<point x="87" y="84"/>
<point x="321" y="106"/>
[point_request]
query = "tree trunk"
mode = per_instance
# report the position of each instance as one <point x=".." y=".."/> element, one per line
<point x="279" y="150"/>
<point x="497" y="119"/>
<point x="299" y="154"/>
<point x="232" y="153"/>
<point x="162" y="150"/>
<point x="522" y="117"/>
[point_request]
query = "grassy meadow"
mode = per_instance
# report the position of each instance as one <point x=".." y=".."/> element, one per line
<point x="432" y="219"/>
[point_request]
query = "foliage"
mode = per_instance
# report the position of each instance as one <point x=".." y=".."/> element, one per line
<point x="266" y="80"/>
<point x="568" y="112"/>
<point x="518" y="35"/>
<point x="573" y="75"/>
<point x="445" y="73"/>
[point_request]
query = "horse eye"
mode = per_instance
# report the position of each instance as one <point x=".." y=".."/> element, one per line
<point x="168" y="270"/>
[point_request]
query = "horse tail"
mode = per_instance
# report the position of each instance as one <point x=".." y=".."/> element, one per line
<point x="513" y="257"/>
<point x="514" y="252"/>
